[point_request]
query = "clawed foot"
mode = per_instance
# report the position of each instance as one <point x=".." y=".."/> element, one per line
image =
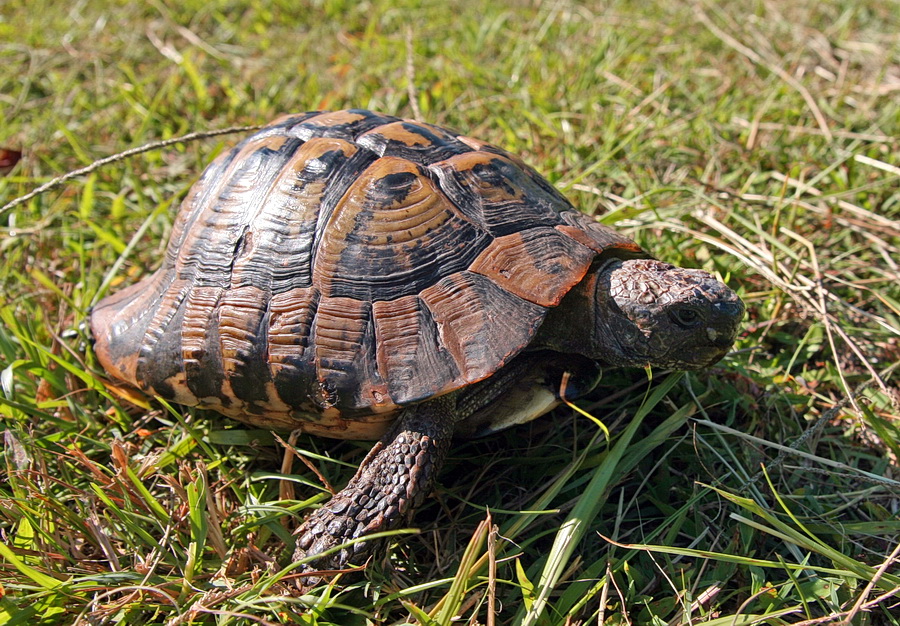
<point x="331" y="526"/>
<point x="392" y="480"/>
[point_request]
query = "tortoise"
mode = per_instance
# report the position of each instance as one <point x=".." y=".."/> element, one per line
<point x="361" y="276"/>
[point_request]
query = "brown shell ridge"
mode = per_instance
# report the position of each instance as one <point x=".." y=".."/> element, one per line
<point x="283" y="123"/>
<point x="291" y="334"/>
<point x="335" y="196"/>
<point x="344" y="355"/>
<point x="201" y="348"/>
<point x="409" y="354"/>
<point x="468" y="311"/>
<point x="446" y="338"/>
<point x="496" y="192"/>
<point x="119" y="323"/>
<point x="210" y="185"/>
<point x="243" y="322"/>
<point x="160" y="364"/>
<point x="197" y="196"/>
<point x="347" y="124"/>
<point x="539" y="264"/>
<point x="417" y="142"/>
<point x="596" y="236"/>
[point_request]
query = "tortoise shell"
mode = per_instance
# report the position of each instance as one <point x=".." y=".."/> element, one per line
<point x="336" y="266"/>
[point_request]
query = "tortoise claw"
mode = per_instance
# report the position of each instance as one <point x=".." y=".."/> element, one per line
<point x="392" y="480"/>
<point x="322" y="532"/>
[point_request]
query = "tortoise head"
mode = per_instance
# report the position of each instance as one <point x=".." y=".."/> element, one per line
<point x="653" y="313"/>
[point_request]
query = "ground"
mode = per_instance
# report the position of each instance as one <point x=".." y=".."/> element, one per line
<point x="759" y="141"/>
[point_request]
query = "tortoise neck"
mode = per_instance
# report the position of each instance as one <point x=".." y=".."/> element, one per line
<point x="575" y="326"/>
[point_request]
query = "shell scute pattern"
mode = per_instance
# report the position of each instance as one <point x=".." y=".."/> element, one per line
<point x="416" y="142"/>
<point x="392" y="234"/>
<point x="200" y="345"/>
<point x="496" y="193"/>
<point x="335" y="266"/>
<point x="348" y="124"/>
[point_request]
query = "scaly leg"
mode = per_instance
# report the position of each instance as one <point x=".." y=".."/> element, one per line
<point x="391" y="482"/>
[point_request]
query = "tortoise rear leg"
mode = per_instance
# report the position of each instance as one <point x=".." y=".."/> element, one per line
<point x="391" y="482"/>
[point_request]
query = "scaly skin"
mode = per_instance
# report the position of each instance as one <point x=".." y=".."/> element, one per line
<point x="390" y="484"/>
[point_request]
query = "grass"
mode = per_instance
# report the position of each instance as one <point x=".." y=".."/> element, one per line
<point x="757" y="140"/>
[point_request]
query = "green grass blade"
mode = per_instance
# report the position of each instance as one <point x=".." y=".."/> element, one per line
<point x="43" y="580"/>
<point x="573" y="529"/>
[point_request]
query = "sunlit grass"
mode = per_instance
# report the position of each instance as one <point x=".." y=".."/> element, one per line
<point x="758" y="141"/>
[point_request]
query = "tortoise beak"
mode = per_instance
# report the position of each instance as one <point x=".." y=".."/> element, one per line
<point x="725" y="323"/>
<point x="722" y="329"/>
<point x="712" y="341"/>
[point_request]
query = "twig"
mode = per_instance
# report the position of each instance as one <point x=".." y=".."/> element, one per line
<point x="59" y="180"/>
<point x="291" y="450"/>
<point x="830" y="619"/>
<point x="492" y="572"/>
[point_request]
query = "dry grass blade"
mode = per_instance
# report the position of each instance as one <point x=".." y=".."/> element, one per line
<point x="757" y="141"/>
<point x="890" y="561"/>
<point x="769" y="64"/>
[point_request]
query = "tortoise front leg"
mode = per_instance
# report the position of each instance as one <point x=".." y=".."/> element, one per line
<point x="391" y="482"/>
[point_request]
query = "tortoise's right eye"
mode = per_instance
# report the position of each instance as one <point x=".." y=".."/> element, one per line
<point x="686" y="317"/>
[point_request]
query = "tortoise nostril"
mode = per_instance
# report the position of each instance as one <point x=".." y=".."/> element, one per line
<point x="730" y="309"/>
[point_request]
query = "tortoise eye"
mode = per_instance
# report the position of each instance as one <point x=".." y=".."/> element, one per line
<point x="686" y="317"/>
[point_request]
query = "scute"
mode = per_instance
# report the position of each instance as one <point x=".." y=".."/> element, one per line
<point x="337" y="265"/>
<point x="393" y="234"/>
